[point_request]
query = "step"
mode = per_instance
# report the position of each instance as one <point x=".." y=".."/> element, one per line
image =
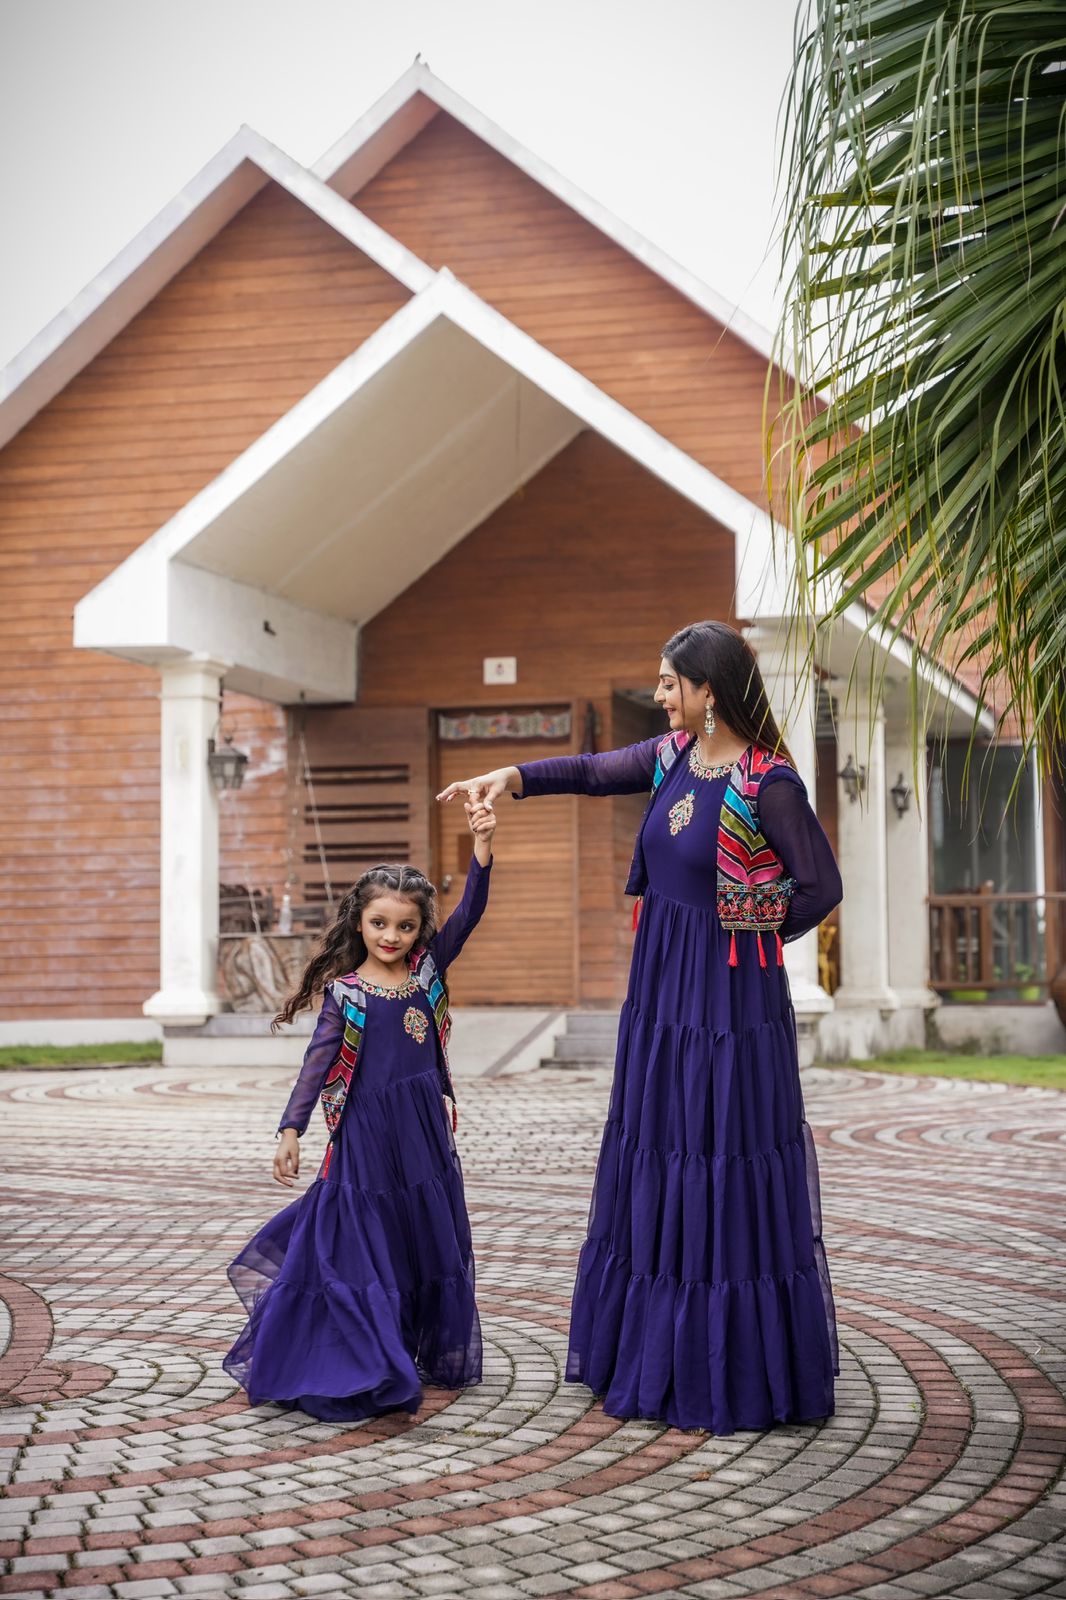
<point x="591" y="1022"/>
<point x="576" y="1063"/>
<point x="567" y="1048"/>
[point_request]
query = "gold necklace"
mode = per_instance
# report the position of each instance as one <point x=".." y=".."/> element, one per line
<point x="701" y="767"/>
<point x="389" y="991"/>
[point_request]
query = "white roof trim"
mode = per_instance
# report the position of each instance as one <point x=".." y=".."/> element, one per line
<point x="950" y="688"/>
<point x="218" y="191"/>
<point x="443" y="297"/>
<point x="367" y="146"/>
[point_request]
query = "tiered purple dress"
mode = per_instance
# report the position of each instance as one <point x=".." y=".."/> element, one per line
<point x="364" y="1287"/>
<point x="702" y="1295"/>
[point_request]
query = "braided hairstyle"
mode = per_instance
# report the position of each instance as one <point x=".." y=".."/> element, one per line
<point x="342" y="947"/>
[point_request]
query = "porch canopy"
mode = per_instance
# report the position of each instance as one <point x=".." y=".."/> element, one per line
<point x="367" y="482"/>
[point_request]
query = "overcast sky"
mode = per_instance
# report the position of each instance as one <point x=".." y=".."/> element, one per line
<point x="664" y="110"/>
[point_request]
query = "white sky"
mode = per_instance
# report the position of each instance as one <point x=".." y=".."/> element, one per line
<point x="664" y="110"/>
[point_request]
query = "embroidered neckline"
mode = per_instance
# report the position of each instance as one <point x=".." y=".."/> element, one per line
<point x="401" y="991"/>
<point x="701" y="770"/>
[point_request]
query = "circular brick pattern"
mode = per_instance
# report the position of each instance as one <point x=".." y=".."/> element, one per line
<point x="136" y="1470"/>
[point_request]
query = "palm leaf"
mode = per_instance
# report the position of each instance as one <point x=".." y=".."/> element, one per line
<point x="924" y="183"/>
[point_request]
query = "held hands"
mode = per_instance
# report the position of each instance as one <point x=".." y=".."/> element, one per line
<point x="482" y="820"/>
<point x="485" y="789"/>
<point x="287" y="1158"/>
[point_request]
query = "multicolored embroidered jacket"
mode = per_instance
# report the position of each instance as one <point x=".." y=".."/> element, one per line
<point x="754" y="890"/>
<point x="774" y="873"/>
<point x="332" y="1056"/>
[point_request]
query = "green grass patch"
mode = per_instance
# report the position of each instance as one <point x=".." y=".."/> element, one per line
<point x="1042" y="1072"/>
<point x="79" y="1055"/>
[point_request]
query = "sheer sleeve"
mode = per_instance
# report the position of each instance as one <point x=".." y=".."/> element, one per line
<point x="794" y="833"/>
<point x="319" y="1056"/>
<point x="626" y="771"/>
<point x="466" y="916"/>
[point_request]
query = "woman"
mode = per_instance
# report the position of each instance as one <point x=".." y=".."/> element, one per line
<point x="702" y="1295"/>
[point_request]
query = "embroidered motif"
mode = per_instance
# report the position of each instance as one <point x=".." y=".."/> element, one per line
<point x="416" y="1023"/>
<point x="754" y="908"/>
<point x="681" y="812"/>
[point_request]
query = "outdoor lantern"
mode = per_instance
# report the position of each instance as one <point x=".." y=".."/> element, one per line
<point x="227" y="765"/>
<point x="901" y="796"/>
<point x="853" y="778"/>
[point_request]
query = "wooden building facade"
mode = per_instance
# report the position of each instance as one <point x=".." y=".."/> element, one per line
<point x="328" y="441"/>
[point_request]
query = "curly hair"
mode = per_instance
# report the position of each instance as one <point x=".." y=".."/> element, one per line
<point x="342" y="947"/>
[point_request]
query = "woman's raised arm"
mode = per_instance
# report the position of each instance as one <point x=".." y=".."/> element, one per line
<point x="625" y="771"/>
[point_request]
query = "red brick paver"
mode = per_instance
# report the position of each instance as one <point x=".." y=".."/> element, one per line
<point x="134" y="1468"/>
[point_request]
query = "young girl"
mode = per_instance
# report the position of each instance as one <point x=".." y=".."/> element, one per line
<point x="365" y="1286"/>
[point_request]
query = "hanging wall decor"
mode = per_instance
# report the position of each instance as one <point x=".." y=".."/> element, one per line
<point x="505" y="725"/>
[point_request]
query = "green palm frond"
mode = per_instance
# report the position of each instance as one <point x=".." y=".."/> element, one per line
<point x="925" y="209"/>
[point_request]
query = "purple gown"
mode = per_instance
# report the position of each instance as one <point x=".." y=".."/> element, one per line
<point x="702" y="1296"/>
<point x="364" y="1287"/>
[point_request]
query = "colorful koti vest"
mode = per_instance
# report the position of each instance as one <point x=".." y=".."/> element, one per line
<point x="351" y="998"/>
<point x="754" y="891"/>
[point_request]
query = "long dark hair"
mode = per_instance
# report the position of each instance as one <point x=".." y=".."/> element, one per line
<point x="715" y="653"/>
<point x="342" y="947"/>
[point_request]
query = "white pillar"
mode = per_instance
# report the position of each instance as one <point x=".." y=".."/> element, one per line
<point x="792" y="703"/>
<point x="908" y="877"/>
<point x="188" y="886"/>
<point x="863" y="847"/>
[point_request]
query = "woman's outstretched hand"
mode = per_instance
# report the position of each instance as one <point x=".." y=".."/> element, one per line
<point x="287" y="1158"/>
<point x="487" y="788"/>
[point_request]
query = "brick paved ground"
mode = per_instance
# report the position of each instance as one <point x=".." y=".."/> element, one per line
<point x="137" y="1471"/>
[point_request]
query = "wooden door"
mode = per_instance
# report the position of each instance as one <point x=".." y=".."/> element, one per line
<point x="363" y="795"/>
<point x="524" y="951"/>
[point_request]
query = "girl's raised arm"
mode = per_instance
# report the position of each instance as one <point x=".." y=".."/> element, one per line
<point x="466" y="916"/>
<point x="319" y="1056"/>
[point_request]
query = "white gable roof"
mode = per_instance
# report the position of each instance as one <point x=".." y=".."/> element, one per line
<point x="239" y="170"/>
<point x="413" y="101"/>
<point x="219" y="190"/>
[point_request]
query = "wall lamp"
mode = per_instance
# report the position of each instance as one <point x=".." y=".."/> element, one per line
<point x="853" y="778"/>
<point x="901" y="796"/>
<point x="227" y="765"/>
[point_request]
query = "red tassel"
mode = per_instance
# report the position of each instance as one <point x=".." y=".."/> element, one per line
<point x="455" y="1117"/>
<point x="636" y="912"/>
<point x="780" y="950"/>
<point x="732" y="949"/>
<point x="329" y="1158"/>
<point x="762" y="952"/>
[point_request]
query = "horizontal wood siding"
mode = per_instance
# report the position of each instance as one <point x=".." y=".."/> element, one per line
<point x="582" y="576"/>
<point x="524" y="951"/>
<point x="457" y="203"/>
<point x="240" y="334"/>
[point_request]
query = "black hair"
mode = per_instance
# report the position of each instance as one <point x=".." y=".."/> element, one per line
<point x="342" y="947"/>
<point x="716" y="654"/>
